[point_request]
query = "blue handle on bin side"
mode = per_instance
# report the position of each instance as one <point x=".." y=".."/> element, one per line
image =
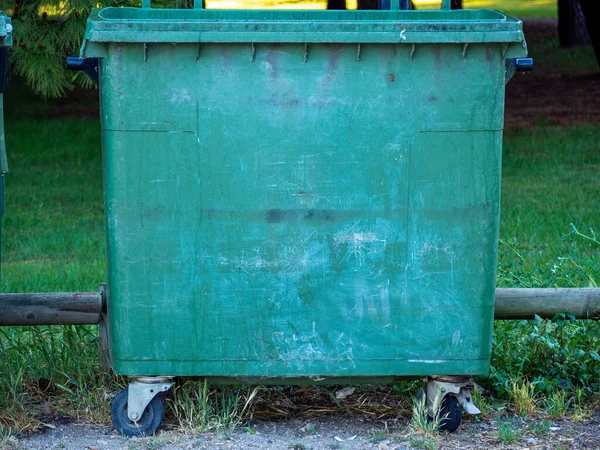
<point x="88" y="65"/>
<point x="523" y="64"/>
<point x="517" y="65"/>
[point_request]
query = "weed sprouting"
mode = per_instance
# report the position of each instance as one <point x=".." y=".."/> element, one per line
<point x="380" y="434"/>
<point x="523" y="397"/>
<point x="540" y="427"/>
<point x="557" y="404"/>
<point x="423" y="430"/>
<point x="298" y="446"/>
<point x="481" y="402"/>
<point x="582" y="410"/>
<point x="509" y="432"/>
<point x="197" y="407"/>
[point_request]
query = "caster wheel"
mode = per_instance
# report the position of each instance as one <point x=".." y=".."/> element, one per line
<point x="450" y="414"/>
<point x="148" y="423"/>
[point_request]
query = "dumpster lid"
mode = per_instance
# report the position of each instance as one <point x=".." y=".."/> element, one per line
<point x="146" y="25"/>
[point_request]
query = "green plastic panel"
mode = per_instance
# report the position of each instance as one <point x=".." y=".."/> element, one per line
<point x="285" y="211"/>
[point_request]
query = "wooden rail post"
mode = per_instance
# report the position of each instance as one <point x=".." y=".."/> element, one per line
<point x="582" y="303"/>
<point x="86" y="308"/>
<point x="51" y="308"/>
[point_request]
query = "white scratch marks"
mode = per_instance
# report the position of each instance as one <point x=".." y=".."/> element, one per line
<point x="356" y="242"/>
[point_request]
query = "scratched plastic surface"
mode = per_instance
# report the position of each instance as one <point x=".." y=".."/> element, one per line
<point x="301" y="200"/>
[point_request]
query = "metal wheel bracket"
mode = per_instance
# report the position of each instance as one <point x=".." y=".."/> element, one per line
<point x="141" y="392"/>
<point x="438" y="389"/>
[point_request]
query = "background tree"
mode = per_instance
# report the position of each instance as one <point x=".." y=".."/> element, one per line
<point x="47" y="31"/>
<point x="572" y="28"/>
<point x="591" y="11"/>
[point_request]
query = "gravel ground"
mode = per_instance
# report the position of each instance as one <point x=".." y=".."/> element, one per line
<point x="351" y="433"/>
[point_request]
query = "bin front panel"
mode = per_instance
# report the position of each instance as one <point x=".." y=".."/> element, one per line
<point x="272" y="214"/>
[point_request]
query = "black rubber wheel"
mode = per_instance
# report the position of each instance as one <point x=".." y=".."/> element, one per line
<point x="450" y="414"/>
<point x="148" y="423"/>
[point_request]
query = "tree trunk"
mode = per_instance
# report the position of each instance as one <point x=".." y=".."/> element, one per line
<point x="456" y="4"/>
<point x="367" y="4"/>
<point x="336" y="4"/>
<point x="571" y="24"/>
<point x="377" y="4"/>
<point x="592" y="20"/>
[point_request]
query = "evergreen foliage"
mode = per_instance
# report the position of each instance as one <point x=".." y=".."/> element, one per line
<point x="45" y="32"/>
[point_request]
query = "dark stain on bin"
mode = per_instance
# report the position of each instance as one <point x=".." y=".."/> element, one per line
<point x="275" y="215"/>
<point x="225" y="59"/>
<point x="306" y="291"/>
<point x="273" y="60"/>
<point x="391" y="77"/>
<point x="279" y="215"/>
<point x="334" y="53"/>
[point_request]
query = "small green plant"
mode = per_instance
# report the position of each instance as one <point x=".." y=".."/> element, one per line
<point x="378" y="435"/>
<point x="421" y="422"/>
<point x="310" y="429"/>
<point x="423" y="430"/>
<point x="557" y="404"/>
<point x="481" y="402"/>
<point x="582" y="410"/>
<point x="424" y="443"/>
<point x="522" y="394"/>
<point x="197" y="408"/>
<point x="509" y="432"/>
<point x="298" y="446"/>
<point x="539" y="427"/>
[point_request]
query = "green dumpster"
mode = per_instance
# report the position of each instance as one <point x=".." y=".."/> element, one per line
<point x="300" y="196"/>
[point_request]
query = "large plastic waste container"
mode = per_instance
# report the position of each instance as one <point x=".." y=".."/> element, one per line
<point x="297" y="197"/>
<point x="5" y="43"/>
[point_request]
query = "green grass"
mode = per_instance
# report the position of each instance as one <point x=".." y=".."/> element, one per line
<point x="53" y="229"/>
<point x="519" y="8"/>
<point x="550" y="181"/>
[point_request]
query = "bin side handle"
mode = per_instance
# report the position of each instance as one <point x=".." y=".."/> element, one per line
<point x="514" y="65"/>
